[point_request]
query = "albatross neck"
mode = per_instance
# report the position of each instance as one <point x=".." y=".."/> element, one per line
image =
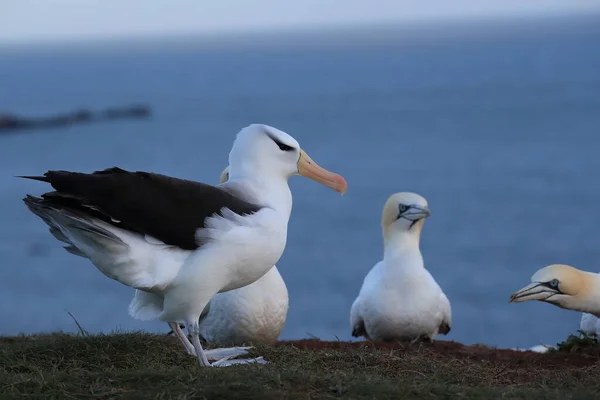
<point x="268" y="190"/>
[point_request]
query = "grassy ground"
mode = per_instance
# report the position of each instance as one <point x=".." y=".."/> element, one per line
<point x="138" y="365"/>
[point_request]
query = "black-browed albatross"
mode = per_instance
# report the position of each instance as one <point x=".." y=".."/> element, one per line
<point x="181" y="241"/>
<point x="255" y="313"/>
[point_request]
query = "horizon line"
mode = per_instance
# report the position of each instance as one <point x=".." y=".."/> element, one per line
<point x="487" y="23"/>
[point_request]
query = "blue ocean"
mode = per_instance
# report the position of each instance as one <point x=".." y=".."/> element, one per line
<point x="498" y="126"/>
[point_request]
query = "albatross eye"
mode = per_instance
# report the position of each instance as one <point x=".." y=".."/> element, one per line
<point x="284" y="147"/>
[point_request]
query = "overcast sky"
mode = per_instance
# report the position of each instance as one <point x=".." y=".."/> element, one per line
<point x="58" y="20"/>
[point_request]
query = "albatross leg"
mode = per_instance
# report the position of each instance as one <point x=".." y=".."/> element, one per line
<point x="226" y="353"/>
<point x="184" y="340"/>
<point x="194" y="331"/>
<point x="221" y="353"/>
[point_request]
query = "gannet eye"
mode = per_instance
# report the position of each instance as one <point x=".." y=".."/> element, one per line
<point x="403" y="208"/>
<point x="553" y="283"/>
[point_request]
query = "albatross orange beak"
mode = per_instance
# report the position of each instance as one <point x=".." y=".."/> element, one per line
<point x="310" y="169"/>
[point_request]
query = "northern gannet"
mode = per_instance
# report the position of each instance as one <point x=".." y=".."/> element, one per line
<point x="254" y="313"/>
<point x="564" y="286"/>
<point x="590" y="324"/>
<point x="539" y="348"/>
<point x="399" y="299"/>
<point x="181" y="242"/>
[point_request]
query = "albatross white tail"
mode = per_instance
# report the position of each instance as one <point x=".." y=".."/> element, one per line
<point x="120" y="255"/>
<point x="82" y="235"/>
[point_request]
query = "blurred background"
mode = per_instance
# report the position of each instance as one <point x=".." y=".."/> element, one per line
<point x="491" y="110"/>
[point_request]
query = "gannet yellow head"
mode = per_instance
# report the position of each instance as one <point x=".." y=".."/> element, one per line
<point x="563" y="286"/>
<point x="404" y="212"/>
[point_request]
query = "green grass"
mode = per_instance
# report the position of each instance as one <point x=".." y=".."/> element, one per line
<point x="147" y="366"/>
<point x="578" y="343"/>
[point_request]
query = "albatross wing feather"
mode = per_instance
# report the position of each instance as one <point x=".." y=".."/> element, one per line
<point x="168" y="209"/>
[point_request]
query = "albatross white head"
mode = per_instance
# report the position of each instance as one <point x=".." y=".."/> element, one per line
<point x="266" y="155"/>
<point x="402" y="219"/>
<point x="563" y="286"/>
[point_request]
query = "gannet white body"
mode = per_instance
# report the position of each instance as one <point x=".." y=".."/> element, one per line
<point x="181" y="242"/>
<point x="565" y="287"/>
<point x="590" y="324"/>
<point x="399" y="299"/>
<point x="254" y="313"/>
<point x="539" y="348"/>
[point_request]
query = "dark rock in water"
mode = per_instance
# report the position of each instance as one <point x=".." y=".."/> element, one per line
<point x="139" y="112"/>
<point x="9" y="122"/>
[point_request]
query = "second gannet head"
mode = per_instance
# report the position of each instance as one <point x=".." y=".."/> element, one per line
<point x="403" y="216"/>
<point x="563" y="286"/>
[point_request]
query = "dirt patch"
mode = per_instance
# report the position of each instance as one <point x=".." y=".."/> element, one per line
<point x="446" y="349"/>
<point x="140" y="365"/>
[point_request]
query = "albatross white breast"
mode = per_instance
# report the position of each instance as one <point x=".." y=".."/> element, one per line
<point x="254" y="313"/>
<point x="181" y="242"/>
<point x="399" y="299"/>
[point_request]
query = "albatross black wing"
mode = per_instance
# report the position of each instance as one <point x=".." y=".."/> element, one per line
<point x="166" y="208"/>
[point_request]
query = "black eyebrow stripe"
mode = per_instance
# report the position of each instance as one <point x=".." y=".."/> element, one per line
<point x="278" y="142"/>
<point x="273" y="138"/>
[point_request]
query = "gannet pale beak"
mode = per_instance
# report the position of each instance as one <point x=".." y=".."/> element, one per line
<point x="310" y="169"/>
<point x="534" y="291"/>
<point x="415" y="213"/>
